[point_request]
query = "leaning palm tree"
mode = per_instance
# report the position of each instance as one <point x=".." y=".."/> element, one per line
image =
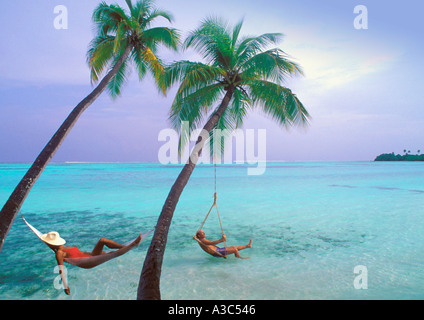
<point x="122" y="37"/>
<point x="241" y="75"/>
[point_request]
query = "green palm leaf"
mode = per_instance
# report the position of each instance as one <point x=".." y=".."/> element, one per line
<point x="256" y="73"/>
<point x="117" y="29"/>
<point x="279" y="102"/>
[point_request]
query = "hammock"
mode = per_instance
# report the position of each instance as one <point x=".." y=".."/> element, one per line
<point x="93" y="261"/>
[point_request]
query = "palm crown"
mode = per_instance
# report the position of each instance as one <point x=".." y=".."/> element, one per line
<point x="117" y="29"/>
<point x="242" y="64"/>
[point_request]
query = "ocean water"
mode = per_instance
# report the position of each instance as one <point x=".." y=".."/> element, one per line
<point x="312" y="224"/>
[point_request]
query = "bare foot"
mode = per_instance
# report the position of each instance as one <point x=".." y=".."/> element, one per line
<point x="250" y="244"/>
<point x="137" y="241"/>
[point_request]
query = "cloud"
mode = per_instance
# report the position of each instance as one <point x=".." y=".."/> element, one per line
<point x="333" y="59"/>
<point x="338" y="66"/>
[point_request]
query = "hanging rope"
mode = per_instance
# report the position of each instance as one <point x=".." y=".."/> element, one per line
<point x="214" y="164"/>
<point x="219" y="218"/>
<point x="216" y="206"/>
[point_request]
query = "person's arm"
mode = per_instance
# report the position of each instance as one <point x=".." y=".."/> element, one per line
<point x="212" y="243"/>
<point x="59" y="258"/>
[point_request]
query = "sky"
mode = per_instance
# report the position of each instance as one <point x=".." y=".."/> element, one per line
<point x="362" y="87"/>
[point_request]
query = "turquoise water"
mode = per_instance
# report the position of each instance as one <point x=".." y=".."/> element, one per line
<point x="312" y="223"/>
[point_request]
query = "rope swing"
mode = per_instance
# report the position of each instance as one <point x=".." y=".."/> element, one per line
<point x="216" y="206"/>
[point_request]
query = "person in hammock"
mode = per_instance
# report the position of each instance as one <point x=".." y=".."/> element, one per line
<point x="211" y="248"/>
<point x="55" y="242"/>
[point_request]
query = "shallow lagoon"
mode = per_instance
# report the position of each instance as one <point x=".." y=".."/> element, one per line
<point x="312" y="223"/>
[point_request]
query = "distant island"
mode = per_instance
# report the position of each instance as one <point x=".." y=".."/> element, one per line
<point x="397" y="157"/>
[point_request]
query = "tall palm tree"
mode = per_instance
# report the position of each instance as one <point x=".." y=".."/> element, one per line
<point x="241" y="74"/>
<point x="122" y="37"/>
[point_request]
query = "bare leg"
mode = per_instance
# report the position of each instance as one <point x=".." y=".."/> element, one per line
<point x="98" y="249"/>
<point x="236" y="249"/>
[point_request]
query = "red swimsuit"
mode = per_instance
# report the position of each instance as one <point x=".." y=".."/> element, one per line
<point x="74" y="252"/>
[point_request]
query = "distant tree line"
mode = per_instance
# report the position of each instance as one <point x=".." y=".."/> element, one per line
<point x="397" y="157"/>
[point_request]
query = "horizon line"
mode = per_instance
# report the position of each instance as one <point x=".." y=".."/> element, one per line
<point x="157" y="162"/>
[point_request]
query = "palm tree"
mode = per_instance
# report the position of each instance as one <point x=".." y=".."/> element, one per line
<point x="122" y="37"/>
<point x="240" y="74"/>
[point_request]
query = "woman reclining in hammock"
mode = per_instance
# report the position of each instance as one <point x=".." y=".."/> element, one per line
<point x="55" y="242"/>
<point x="211" y="248"/>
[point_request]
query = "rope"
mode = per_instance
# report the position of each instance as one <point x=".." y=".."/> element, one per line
<point x="214" y="205"/>
<point x="219" y="217"/>
<point x="220" y="223"/>
<point x="207" y="215"/>
<point x="214" y="163"/>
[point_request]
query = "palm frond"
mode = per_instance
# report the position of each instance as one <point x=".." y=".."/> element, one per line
<point x="193" y="75"/>
<point x="250" y="46"/>
<point x="156" y="13"/>
<point x="129" y="3"/>
<point x="279" y="102"/>
<point x="236" y="33"/>
<point x="272" y="65"/>
<point x="140" y="9"/>
<point x="120" y="37"/>
<point x="155" y="65"/>
<point x="99" y="55"/>
<point x="140" y="65"/>
<point x="117" y="82"/>
<point x="108" y="17"/>
<point x="192" y="109"/>
<point x="240" y="106"/>
<point x="161" y="35"/>
<point x="231" y="119"/>
<point x="213" y="40"/>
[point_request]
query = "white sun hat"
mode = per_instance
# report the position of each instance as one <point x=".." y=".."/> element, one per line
<point x="53" y="238"/>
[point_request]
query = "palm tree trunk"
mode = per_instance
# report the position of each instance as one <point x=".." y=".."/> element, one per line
<point x="149" y="284"/>
<point x="18" y="196"/>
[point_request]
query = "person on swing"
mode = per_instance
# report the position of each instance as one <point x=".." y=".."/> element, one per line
<point x="211" y="248"/>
